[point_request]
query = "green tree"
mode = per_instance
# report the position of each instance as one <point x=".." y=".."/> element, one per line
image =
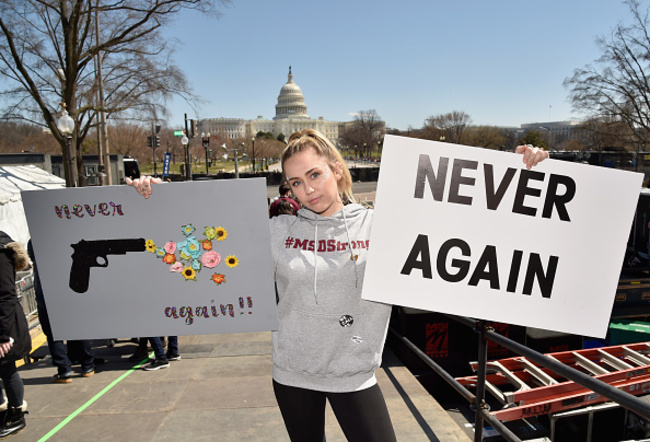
<point x="535" y="138"/>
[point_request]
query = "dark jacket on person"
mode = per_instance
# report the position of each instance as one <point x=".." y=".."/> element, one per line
<point x="13" y="323"/>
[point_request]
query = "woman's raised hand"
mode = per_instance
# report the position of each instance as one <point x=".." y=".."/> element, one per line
<point x="143" y="184"/>
<point x="532" y="155"/>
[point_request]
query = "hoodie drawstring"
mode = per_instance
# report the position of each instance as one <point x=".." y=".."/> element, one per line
<point x="354" y="261"/>
<point x="315" y="260"/>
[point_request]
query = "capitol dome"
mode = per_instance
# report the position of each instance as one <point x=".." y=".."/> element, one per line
<point x="291" y="101"/>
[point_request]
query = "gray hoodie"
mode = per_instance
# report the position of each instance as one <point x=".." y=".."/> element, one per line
<point x="329" y="339"/>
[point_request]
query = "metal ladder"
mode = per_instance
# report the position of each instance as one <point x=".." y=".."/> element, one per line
<point x="526" y="389"/>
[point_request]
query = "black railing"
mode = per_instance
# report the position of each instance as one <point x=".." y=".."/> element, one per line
<point x="477" y="401"/>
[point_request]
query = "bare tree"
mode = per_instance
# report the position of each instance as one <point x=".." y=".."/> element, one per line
<point x="617" y="86"/>
<point x="26" y="137"/>
<point x="603" y="133"/>
<point x="365" y="133"/>
<point x="48" y="51"/>
<point x="450" y="127"/>
<point x="489" y="137"/>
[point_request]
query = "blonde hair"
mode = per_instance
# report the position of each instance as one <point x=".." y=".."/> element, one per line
<point x="313" y="139"/>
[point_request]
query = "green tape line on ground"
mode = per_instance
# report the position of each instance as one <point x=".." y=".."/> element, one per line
<point x="74" y="414"/>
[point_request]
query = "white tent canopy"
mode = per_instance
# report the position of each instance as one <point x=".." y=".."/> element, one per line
<point x="13" y="180"/>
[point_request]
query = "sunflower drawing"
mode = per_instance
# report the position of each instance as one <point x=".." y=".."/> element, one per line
<point x="221" y="233"/>
<point x="232" y="261"/>
<point x="150" y="246"/>
<point x="189" y="273"/>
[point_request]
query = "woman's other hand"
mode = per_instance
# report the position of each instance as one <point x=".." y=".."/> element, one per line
<point x="143" y="184"/>
<point x="532" y="155"/>
<point x="5" y="347"/>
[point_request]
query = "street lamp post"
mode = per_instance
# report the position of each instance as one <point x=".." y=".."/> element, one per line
<point x="242" y="146"/>
<point x="253" y="141"/>
<point x="65" y="125"/>
<point x="235" y="151"/>
<point x="186" y="142"/>
<point x="205" y="139"/>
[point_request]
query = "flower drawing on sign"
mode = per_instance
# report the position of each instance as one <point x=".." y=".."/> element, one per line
<point x="232" y="261"/>
<point x="189" y="273"/>
<point x="189" y="256"/>
<point x="210" y="259"/>
<point x="150" y="246"/>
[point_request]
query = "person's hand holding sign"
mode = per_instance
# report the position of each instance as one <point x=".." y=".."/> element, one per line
<point x="143" y="184"/>
<point x="5" y="347"/>
<point x="532" y="155"/>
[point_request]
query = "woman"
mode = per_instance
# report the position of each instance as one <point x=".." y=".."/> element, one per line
<point x="15" y="342"/>
<point x="329" y="342"/>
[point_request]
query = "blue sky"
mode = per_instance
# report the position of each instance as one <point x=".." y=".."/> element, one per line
<point x="500" y="61"/>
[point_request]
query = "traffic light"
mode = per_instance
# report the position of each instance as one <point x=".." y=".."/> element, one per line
<point x="193" y="128"/>
<point x="157" y="141"/>
<point x="149" y="141"/>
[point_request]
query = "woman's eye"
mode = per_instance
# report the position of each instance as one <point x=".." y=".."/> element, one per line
<point x="315" y="175"/>
<point x="295" y="183"/>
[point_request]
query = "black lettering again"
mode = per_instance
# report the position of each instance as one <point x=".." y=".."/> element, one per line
<point x="461" y="265"/>
<point x="487" y="268"/>
<point x="420" y="249"/>
<point x="536" y="270"/>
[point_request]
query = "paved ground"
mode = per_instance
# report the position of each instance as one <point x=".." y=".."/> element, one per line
<point x="219" y="391"/>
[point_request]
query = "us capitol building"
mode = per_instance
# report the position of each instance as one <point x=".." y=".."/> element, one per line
<point x="290" y="116"/>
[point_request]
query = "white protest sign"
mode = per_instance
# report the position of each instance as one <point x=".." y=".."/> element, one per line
<point x="469" y="231"/>
<point x="194" y="258"/>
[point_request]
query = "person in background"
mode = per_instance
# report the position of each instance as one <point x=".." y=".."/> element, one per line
<point x="79" y="351"/>
<point x="282" y="200"/>
<point x="284" y="207"/>
<point x="329" y="341"/>
<point x="161" y="359"/>
<point x="15" y="341"/>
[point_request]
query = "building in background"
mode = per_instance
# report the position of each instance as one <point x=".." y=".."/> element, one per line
<point x="556" y="133"/>
<point x="121" y="166"/>
<point x="290" y="116"/>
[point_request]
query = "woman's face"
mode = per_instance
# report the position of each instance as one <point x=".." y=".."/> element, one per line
<point x="313" y="182"/>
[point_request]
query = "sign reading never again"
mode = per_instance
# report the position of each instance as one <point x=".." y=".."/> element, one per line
<point x="114" y="265"/>
<point x="476" y="234"/>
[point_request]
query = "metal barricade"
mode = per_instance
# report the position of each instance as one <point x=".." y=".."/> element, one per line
<point x="481" y="409"/>
<point x="25" y="291"/>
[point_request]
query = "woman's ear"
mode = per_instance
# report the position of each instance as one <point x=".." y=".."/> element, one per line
<point x="338" y="170"/>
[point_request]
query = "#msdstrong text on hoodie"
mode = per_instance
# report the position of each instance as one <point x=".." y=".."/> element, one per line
<point x="328" y="339"/>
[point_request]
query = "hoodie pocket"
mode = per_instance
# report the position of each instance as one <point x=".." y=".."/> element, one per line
<point x="320" y="344"/>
